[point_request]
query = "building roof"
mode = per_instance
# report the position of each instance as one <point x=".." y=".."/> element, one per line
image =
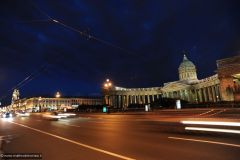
<point x="186" y="63"/>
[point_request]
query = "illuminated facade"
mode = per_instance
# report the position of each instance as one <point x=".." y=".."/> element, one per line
<point x="43" y="104"/>
<point x="189" y="88"/>
<point x="223" y="86"/>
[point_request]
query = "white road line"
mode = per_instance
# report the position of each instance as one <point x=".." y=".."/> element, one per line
<point x="213" y="130"/>
<point x="205" y="112"/>
<point x="216" y="123"/>
<point x="205" y="141"/>
<point x="70" y="125"/>
<point x="77" y="143"/>
<point x="217" y="113"/>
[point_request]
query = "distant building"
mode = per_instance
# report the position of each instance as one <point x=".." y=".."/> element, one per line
<point x="223" y="86"/>
<point x="44" y="103"/>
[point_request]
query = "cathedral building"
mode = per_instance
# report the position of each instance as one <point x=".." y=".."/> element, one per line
<point x="222" y="86"/>
<point x="190" y="88"/>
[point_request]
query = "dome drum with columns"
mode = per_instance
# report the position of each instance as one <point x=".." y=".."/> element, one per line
<point x="187" y="70"/>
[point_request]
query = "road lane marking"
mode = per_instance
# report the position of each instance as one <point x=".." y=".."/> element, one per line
<point x="213" y="130"/>
<point x="70" y="125"/>
<point x="236" y="124"/>
<point x="205" y="141"/>
<point x="206" y="112"/>
<point x="217" y="113"/>
<point x="77" y="143"/>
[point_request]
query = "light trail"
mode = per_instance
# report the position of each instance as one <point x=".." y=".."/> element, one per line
<point x="213" y="130"/>
<point x="235" y="124"/>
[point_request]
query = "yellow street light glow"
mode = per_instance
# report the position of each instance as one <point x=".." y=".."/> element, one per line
<point x="237" y="124"/>
<point x="109" y="84"/>
<point x="58" y="95"/>
<point x="105" y="85"/>
<point x="213" y="130"/>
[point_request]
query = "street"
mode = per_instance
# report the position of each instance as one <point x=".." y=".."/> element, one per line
<point x="122" y="136"/>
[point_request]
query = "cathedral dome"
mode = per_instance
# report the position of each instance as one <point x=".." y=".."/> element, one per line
<point x="186" y="63"/>
<point x="187" y="70"/>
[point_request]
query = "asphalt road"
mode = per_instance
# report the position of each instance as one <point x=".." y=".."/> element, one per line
<point x="156" y="136"/>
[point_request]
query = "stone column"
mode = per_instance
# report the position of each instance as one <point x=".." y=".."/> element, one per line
<point x="209" y="94"/>
<point x="180" y="94"/>
<point x="218" y="96"/>
<point x="122" y="101"/>
<point x="153" y="98"/>
<point x="112" y="100"/>
<point x="201" y="94"/>
<point x="187" y="95"/>
<point x="148" y="98"/>
<point x="144" y="99"/>
<point x="213" y="93"/>
<point x="130" y="99"/>
<point x="205" y="95"/>
<point x="197" y="95"/>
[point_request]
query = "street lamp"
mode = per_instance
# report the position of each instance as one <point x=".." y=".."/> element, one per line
<point x="107" y="85"/>
<point x="58" y="95"/>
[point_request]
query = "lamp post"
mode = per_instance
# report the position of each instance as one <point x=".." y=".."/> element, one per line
<point x="107" y="86"/>
<point x="58" y="95"/>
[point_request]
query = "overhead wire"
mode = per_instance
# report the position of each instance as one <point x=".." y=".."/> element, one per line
<point x="82" y="33"/>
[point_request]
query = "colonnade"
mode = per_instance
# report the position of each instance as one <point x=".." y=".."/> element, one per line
<point x="124" y="101"/>
<point x="209" y="94"/>
<point x="203" y="94"/>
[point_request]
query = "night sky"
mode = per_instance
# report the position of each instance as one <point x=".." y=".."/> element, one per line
<point x="146" y="42"/>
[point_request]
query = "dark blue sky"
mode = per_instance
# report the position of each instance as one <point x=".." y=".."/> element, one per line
<point x="154" y="32"/>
